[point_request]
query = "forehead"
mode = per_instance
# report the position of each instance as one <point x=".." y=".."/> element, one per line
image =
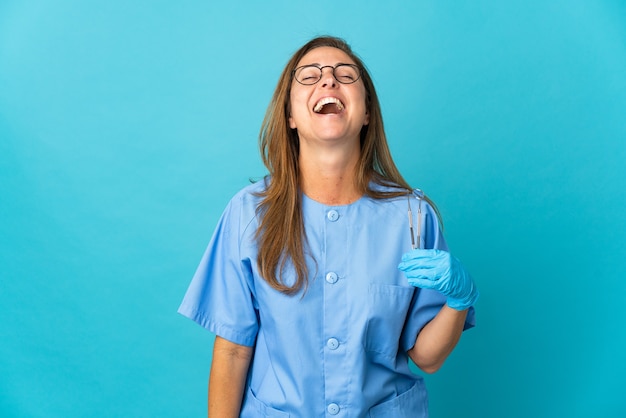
<point x="325" y="55"/>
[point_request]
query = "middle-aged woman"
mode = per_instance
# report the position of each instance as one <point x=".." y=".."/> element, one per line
<point x="318" y="286"/>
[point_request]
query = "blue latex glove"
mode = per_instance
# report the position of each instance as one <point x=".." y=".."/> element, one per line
<point x="439" y="270"/>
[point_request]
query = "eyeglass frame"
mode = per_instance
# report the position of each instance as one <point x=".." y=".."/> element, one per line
<point x="358" y="69"/>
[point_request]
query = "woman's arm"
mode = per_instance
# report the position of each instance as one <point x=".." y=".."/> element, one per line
<point x="439" y="270"/>
<point x="229" y="369"/>
<point x="437" y="339"/>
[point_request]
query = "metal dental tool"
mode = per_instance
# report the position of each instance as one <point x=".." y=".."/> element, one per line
<point x="415" y="244"/>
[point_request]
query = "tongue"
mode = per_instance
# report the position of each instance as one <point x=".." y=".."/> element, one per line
<point x="329" y="108"/>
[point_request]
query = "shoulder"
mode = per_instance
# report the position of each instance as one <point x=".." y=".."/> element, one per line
<point x="251" y="194"/>
<point x="391" y="195"/>
<point x="395" y="200"/>
<point x="241" y="210"/>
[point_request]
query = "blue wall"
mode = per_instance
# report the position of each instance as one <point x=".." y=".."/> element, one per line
<point x="126" y="126"/>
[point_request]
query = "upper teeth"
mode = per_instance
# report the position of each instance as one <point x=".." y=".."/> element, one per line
<point x="326" y="100"/>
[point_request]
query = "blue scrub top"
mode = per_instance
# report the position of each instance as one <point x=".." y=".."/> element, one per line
<point x="338" y="348"/>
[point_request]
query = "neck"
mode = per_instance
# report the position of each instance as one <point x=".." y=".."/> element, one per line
<point x="329" y="177"/>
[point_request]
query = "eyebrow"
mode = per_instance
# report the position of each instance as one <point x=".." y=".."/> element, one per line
<point x="317" y="64"/>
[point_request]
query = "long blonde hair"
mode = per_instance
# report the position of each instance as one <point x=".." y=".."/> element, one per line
<point x="281" y="236"/>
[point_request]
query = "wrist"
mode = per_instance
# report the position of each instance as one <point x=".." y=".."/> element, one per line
<point x="461" y="304"/>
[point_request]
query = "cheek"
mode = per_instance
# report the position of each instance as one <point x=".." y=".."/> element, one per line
<point x="363" y="99"/>
<point x="364" y="110"/>
<point x="297" y="105"/>
<point x="292" y="122"/>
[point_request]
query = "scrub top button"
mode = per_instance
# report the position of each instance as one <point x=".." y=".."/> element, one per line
<point x="332" y="215"/>
<point x="333" y="409"/>
<point x="332" y="343"/>
<point x="331" y="277"/>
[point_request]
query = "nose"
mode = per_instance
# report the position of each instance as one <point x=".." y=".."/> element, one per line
<point x="328" y="77"/>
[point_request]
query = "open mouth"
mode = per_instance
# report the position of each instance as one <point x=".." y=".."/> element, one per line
<point x="329" y="105"/>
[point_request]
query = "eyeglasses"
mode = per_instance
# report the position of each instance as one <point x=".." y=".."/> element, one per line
<point x="311" y="74"/>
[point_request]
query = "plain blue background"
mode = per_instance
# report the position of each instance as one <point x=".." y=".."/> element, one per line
<point x="126" y="126"/>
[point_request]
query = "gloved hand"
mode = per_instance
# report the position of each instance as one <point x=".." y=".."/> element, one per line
<point x="439" y="270"/>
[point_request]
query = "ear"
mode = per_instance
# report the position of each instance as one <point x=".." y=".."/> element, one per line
<point x="367" y="119"/>
<point x="292" y="123"/>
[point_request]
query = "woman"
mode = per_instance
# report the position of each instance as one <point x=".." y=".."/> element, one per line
<point x="313" y="316"/>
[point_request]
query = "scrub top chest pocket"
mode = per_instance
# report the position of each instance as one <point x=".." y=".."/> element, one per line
<point x="387" y="305"/>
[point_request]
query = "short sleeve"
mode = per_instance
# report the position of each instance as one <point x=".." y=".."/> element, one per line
<point x="220" y="297"/>
<point x="427" y="303"/>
